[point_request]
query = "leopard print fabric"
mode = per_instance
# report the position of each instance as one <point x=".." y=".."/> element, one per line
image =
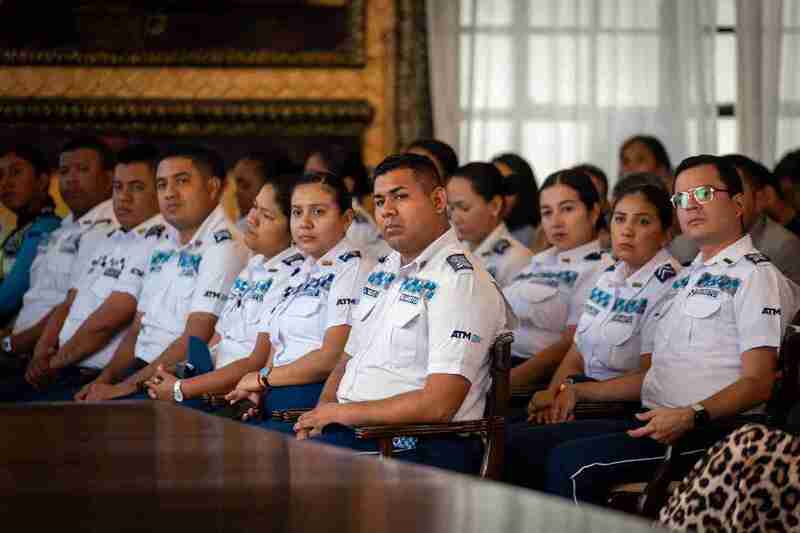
<point x="749" y="481"/>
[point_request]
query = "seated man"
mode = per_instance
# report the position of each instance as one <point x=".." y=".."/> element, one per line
<point x="418" y="348"/>
<point x="84" y="178"/>
<point x="714" y="355"/>
<point x="102" y="301"/>
<point x="188" y="275"/>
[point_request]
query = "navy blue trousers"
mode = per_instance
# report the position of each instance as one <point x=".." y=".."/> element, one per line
<point x="458" y="454"/>
<point x="583" y="460"/>
<point x="289" y="397"/>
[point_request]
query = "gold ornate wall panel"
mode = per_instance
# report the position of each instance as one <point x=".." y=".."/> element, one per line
<point x="372" y="83"/>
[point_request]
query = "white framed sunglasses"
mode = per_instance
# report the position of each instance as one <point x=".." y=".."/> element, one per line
<point x="702" y="195"/>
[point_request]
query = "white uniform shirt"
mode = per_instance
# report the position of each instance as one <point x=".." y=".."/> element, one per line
<point x="618" y="319"/>
<point x="502" y="255"/>
<point x="185" y="279"/>
<point x="438" y="314"/>
<point x="51" y="271"/>
<point x="719" y="309"/>
<point x="363" y="233"/>
<point x="117" y="264"/>
<point x="255" y="292"/>
<point x="322" y="295"/>
<point x="548" y="295"/>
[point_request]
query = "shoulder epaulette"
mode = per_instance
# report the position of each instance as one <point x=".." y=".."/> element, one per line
<point x="665" y="272"/>
<point x="296" y="257"/>
<point x="594" y="256"/>
<point x="756" y="258"/>
<point x="459" y="262"/>
<point x="222" y="236"/>
<point x="501" y="246"/>
<point x="611" y="268"/>
<point x="347" y="256"/>
<point x="383" y="259"/>
<point x="155" y="231"/>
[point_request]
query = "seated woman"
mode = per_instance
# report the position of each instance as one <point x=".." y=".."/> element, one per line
<point x="475" y="202"/>
<point x="363" y="231"/>
<point x="521" y="209"/>
<point x="250" y="173"/>
<point x="237" y="346"/>
<point x="309" y="328"/>
<point x="549" y="294"/>
<point x="615" y="333"/>
<point x="24" y="184"/>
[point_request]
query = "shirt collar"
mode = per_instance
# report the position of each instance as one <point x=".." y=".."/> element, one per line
<point x="500" y="232"/>
<point x="446" y="239"/>
<point x="202" y="235"/>
<point x="259" y="261"/>
<point x="728" y="256"/>
<point x="569" y="257"/>
<point x="104" y="209"/>
<point x="639" y="279"/>
<point x="328" y="260"/>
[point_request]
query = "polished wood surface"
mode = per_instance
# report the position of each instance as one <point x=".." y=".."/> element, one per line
<point x="127" y="466"/>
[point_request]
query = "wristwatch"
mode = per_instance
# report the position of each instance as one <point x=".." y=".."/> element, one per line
<point x="263" y="376"/>
<point x="701" y="416"/>
<point x="177" y="393"/>
<point x="5" y="344"/>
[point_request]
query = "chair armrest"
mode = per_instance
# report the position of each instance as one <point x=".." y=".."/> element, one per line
<point x="494" y="423"/>
<point x="288" y="415"/>
<point x="595" y="410"/>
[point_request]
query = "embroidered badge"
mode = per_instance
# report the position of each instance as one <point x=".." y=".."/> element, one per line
<point x="459" y="262"/>
<point x="757" y="258"/>
<point x="222" y="236"/>
<point x="296" y="257"/>
<point x="501" y="246"/>
<point x="665" y="272"/>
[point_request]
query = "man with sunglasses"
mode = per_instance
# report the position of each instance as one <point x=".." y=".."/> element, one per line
<point x="715" y="346"/>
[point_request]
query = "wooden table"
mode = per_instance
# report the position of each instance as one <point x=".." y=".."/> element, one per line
<point x="126" y="466"/>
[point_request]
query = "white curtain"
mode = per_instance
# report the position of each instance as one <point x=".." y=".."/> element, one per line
<point x="759" y="39"/>
<point x="787" y="122"/>
<point x="566" y="81"/>
<point x="443" y="67"/>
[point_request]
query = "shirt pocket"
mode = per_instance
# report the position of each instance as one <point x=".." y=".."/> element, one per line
<point x="303" y="318"/>
<point x="622" y="346"/>
<point x="704" y="323"/>
<point x="183" y="288"/>
<point x="364" y="309"/>
<point x="542" y="306"/>
<point x="404" y="335"/>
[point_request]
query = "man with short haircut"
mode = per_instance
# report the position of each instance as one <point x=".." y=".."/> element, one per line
<point x="773" y="240"/>
<point x="714" y="357"/>
<point x="188" y="275"/>
<point x="778" y="193"/>
<point x="102" y="302"/>
<point x="428" y="315"/>
<point x="84" y="177"/>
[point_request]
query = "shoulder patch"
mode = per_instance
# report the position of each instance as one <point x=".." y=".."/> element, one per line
<point x="501" y="246"/>
<point x="222" y="236"/>
<point x="155" y="231"/>
<point x="665" y="272"/>
<point x="347" y="256"/>
<point x="757" y="258"/>
<point x="611" y="268"/>
<point x="459" y="262"/>
<point x="594" y="256"/>
<point x="296" y="257"/>
<point x="383" y="259"/>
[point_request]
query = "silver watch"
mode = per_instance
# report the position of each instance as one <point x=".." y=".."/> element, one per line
<point x="177" y="393"/>
<point x="5" y="344"/>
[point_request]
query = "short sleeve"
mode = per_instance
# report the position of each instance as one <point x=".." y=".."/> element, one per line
<point x="343" y="296"/>
<point x="464" y="317"/>
<point x="219" y="267"/>
<point x="757" y="307"/>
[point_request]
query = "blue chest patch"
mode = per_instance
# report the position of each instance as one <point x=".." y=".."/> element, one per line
<point x="381" y="279"/>
<point x="260" y="288"/>
<point x="421" y="287"/>
<point x="631" y="307"/>
<point x="681" y="283"/>
<point x="721" y="282"/>
<point x="158" y="259"/>
<point x="600" y="297"/>
<point x="188" y="264"/>
<point x="312" y="287"/>
<point x="551" y="279"/>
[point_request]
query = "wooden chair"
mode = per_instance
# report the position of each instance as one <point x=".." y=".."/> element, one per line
<point x="491" y="427"/>
<point x="648" y="498"/>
